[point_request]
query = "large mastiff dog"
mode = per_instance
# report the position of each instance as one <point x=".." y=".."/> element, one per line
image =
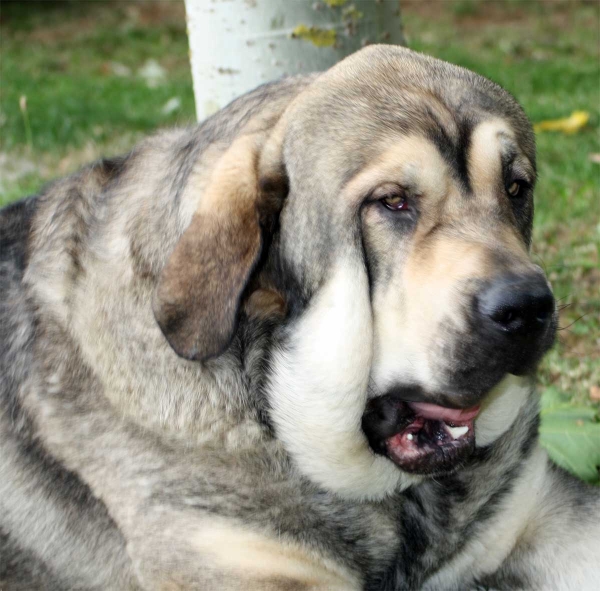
<point x="289" y="349"/>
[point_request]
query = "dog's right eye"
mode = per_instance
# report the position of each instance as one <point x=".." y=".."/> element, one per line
<point x="395" y="202"/>
<point x="392" y="197"/>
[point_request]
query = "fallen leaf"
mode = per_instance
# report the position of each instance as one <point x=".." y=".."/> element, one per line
<point x="316" y="35"/>
<point x="571" y="435"/>
<point x="595" y="393"/>
<point x="572" y="124"/>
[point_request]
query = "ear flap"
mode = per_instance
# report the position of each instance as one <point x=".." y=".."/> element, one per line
<point x="197" y="298"/>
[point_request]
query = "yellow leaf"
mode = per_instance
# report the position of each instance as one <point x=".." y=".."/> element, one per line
<point x="572" y="124"/>
<point x="316" y="35"/>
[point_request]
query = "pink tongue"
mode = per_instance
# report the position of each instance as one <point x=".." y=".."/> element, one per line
<point x="440" y="413"/>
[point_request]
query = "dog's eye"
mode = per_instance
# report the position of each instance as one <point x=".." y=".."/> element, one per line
<point x="395" y="202"/>
<point x="516" y="188"/>
<point x="391" y="196"/>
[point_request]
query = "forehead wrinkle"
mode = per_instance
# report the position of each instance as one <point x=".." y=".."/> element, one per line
<point x="454" y="150"/>
<point x="412" y="161"/>
<point x="440" y="115"/>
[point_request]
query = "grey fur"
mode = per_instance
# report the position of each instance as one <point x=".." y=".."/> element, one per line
<point x="124" y="466"/>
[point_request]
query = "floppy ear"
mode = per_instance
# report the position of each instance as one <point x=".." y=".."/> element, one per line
<point x="197" y="298"/>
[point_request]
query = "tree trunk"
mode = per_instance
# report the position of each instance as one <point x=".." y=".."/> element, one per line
<point x="235" y="45"/>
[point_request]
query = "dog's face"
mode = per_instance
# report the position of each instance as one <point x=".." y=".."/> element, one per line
<point x="401" y="253"/>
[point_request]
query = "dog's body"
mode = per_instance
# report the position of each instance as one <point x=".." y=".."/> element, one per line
<point x="243" y="466"/>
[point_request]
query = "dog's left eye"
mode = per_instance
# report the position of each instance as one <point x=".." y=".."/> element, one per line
<point x="516" y="188"/>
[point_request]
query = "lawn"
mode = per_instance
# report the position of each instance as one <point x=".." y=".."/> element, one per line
<point x="85" y="79"/>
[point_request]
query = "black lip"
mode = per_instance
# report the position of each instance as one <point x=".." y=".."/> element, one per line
<point x="383" y="418"/>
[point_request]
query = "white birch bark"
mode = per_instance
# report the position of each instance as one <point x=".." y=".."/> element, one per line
<point x="235" y="45"/>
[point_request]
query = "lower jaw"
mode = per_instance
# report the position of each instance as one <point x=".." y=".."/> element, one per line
<point x="443" y="460"/>
<point x="427" y="447"/>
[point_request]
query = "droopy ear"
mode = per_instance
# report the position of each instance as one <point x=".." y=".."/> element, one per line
<point x="197" y="298"/>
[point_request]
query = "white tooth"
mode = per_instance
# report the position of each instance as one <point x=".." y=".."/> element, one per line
<point x="410" y="437"/>
<point x="457" y="432"/>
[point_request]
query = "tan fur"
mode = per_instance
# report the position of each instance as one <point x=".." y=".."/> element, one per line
<point x="260" y="558"/>
<point x="265" y="303"/>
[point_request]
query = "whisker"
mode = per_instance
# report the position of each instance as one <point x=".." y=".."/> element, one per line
<point x="563" y="307"/>
<point x="572" y="323"/>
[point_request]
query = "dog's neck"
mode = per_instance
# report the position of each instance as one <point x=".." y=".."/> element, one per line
<point x="197" y="402"/>
<point x="99" y="298"/>
<point x="440" y="517"/>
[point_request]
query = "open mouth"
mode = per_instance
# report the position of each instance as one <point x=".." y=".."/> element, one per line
<point x="420" y="437"/>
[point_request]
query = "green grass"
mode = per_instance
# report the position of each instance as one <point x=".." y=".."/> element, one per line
<point x="66" y="58"/>
<point x="62" y="57"/>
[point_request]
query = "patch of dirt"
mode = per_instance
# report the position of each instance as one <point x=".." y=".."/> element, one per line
<point x="13" y="169"/>
<point x="157" y="13"/>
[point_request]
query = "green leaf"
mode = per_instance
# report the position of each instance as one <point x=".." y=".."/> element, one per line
<point x="571" y="435"/>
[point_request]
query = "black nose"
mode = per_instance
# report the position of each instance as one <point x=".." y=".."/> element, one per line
<point x="517" y="305"/>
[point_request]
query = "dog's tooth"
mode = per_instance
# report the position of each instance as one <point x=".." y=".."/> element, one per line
<point x="457" y="432"/>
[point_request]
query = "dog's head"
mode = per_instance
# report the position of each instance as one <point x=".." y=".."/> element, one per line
<point x="400" y="252"/>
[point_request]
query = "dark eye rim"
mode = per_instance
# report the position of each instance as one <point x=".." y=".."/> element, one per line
<point x="522" y="187"/>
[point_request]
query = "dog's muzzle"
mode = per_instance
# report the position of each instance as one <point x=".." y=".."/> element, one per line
<point x="512" y="326"/>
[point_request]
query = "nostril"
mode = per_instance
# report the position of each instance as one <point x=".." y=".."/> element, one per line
<point x="504" y="316"/>
<point x="541" y="305"/>
<point x="507" y="317"/>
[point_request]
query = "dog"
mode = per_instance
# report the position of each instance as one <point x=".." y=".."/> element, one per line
<point x="291" y="348"/>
